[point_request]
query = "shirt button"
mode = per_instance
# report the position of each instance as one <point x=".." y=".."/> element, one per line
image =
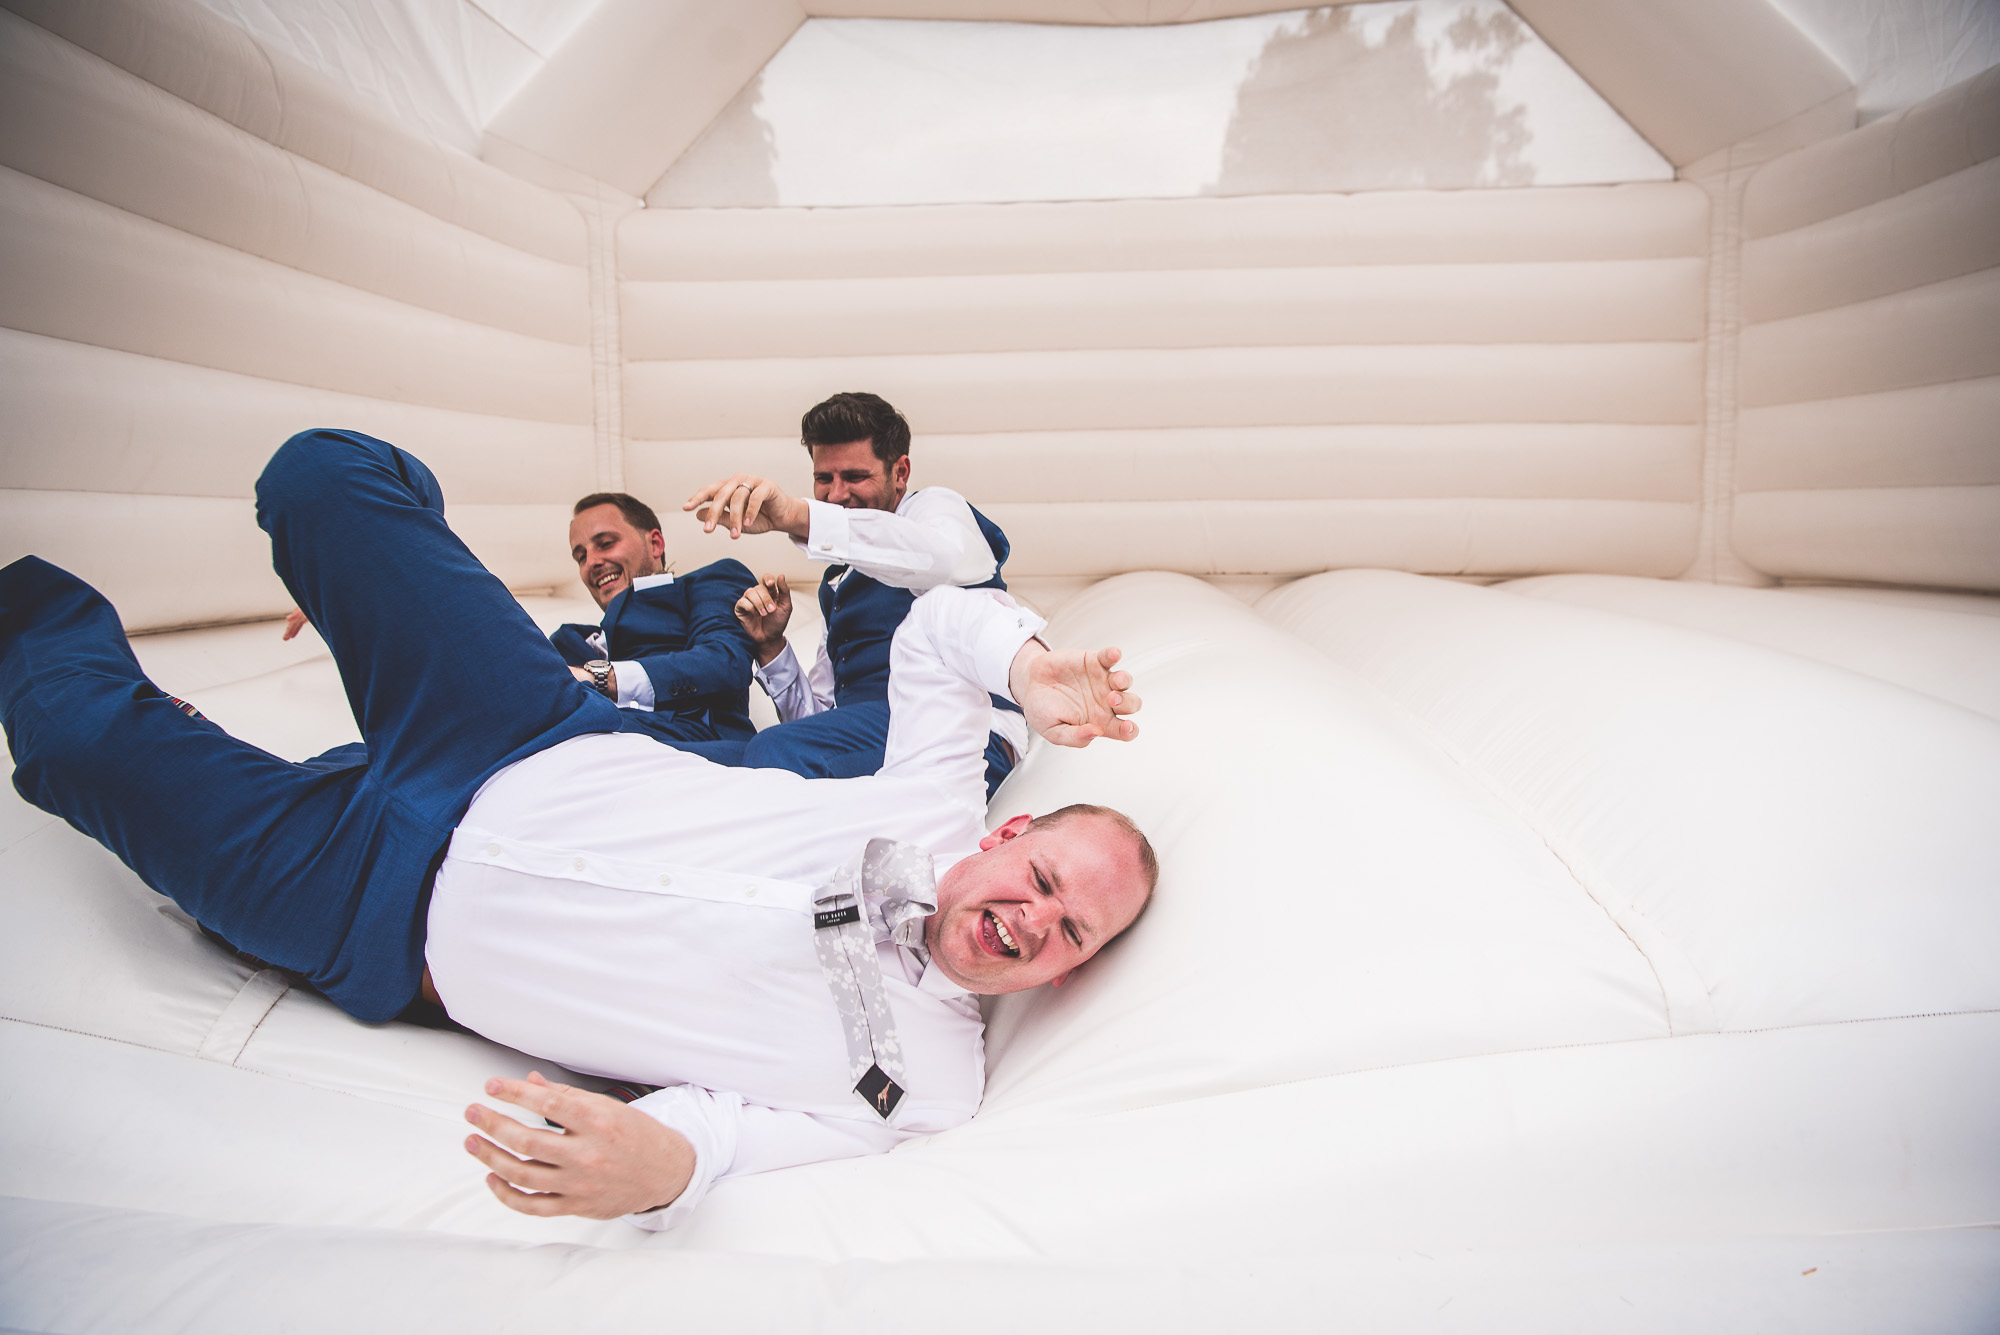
<point x="666" y="879"/>
<point x="492" y="850"/>
<point x="751" y="893"/>
<point x="577" y="864"/>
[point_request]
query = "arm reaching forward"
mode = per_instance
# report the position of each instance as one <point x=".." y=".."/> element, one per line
<point x="958" y="645"/>
<point x="930" y="539"/>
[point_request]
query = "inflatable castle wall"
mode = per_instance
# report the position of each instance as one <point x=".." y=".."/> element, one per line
<point x="1566" y="617"/>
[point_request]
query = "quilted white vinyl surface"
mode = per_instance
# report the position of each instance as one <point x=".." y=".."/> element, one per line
<point x="1498" y="938"/>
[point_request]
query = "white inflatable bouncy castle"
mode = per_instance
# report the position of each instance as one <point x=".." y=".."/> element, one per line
<point x="1563" y="596"/>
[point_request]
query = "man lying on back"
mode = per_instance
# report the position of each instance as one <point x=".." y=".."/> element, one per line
<point x="795" y="961"/>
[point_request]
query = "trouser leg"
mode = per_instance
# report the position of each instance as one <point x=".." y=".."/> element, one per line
<point x="837" y="744"/>
<point x="845" y="742"/>
<point x="684" y="732"/>
<point x="448" y="678"/>
<point x="263" y="852"/>
<point x="324" y="869"/>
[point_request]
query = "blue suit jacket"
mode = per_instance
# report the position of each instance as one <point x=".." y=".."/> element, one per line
<point x="686" y="636"/>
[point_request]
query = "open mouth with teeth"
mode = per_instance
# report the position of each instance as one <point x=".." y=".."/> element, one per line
<point x="994" y="935"/>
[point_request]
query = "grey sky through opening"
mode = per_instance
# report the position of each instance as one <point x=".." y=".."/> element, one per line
<point x="1439" y="94"/>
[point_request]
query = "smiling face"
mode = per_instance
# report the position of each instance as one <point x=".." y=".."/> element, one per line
<point x="609" y="552"/>
<point x="1034" y="904"/>
<point x="852" y="477"/>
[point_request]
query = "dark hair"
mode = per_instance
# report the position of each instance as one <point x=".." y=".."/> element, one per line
<point x="1149" y="861"/>
<point x="637" y="513"/>
<point x="845" y="418"/>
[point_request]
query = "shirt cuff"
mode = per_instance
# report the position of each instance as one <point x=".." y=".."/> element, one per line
<point x="779" y="675"/>
<point x="635" y="688"/>
<point x="676" y="1107"/>
<point x="1000" y="638"/>
<point x="828" y="535"/>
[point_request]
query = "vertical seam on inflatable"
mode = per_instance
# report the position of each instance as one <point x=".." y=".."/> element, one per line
<point x="1715" y="560"/>
<point x="601" y="213"/>
<point x="1725" y="177"/>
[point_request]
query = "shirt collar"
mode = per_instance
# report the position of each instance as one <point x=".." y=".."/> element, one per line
<point x="922" y="973"/>
<point x="935" y="984"/>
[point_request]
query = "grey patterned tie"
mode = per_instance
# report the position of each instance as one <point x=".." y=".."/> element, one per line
<point x="887" y="890"/>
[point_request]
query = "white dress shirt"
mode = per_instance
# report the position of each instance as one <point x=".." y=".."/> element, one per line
<point x="929" y="540"/>
<point x="630" y="910"/>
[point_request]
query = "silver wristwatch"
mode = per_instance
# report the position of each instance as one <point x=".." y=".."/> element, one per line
<point x="600" y="675"/>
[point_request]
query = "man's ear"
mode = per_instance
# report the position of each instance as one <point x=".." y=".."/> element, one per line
<point x="1060" y="978"/>
<point x="1003" y="833"/>
<point x="656" y="543"/>
<point x="899" y="472"/>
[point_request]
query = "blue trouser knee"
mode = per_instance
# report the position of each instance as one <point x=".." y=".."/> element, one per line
<point x="320" y="868"/>
<point x="845" y="743"/>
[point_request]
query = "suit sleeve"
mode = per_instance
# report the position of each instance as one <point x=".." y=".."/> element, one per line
<point x="570" y="643"/>
<point x="715" y="667"/>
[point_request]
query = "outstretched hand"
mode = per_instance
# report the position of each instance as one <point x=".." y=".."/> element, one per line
<point x="609" y="1160"/>
<point x="1072" y="696"/>
<point x="744" y="503"/>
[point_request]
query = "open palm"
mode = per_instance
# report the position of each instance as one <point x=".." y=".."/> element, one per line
<point x="1074" y="696"/>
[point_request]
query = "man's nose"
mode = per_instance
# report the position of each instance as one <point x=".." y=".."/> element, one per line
<point x="1043" y="913"/>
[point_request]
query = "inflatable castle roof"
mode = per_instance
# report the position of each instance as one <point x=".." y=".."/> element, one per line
<point x="1540" y="462"/>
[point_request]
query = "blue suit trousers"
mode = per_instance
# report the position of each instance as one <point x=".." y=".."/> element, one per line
<point x="325" y="868"/>
<point x="844" y="743"/>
